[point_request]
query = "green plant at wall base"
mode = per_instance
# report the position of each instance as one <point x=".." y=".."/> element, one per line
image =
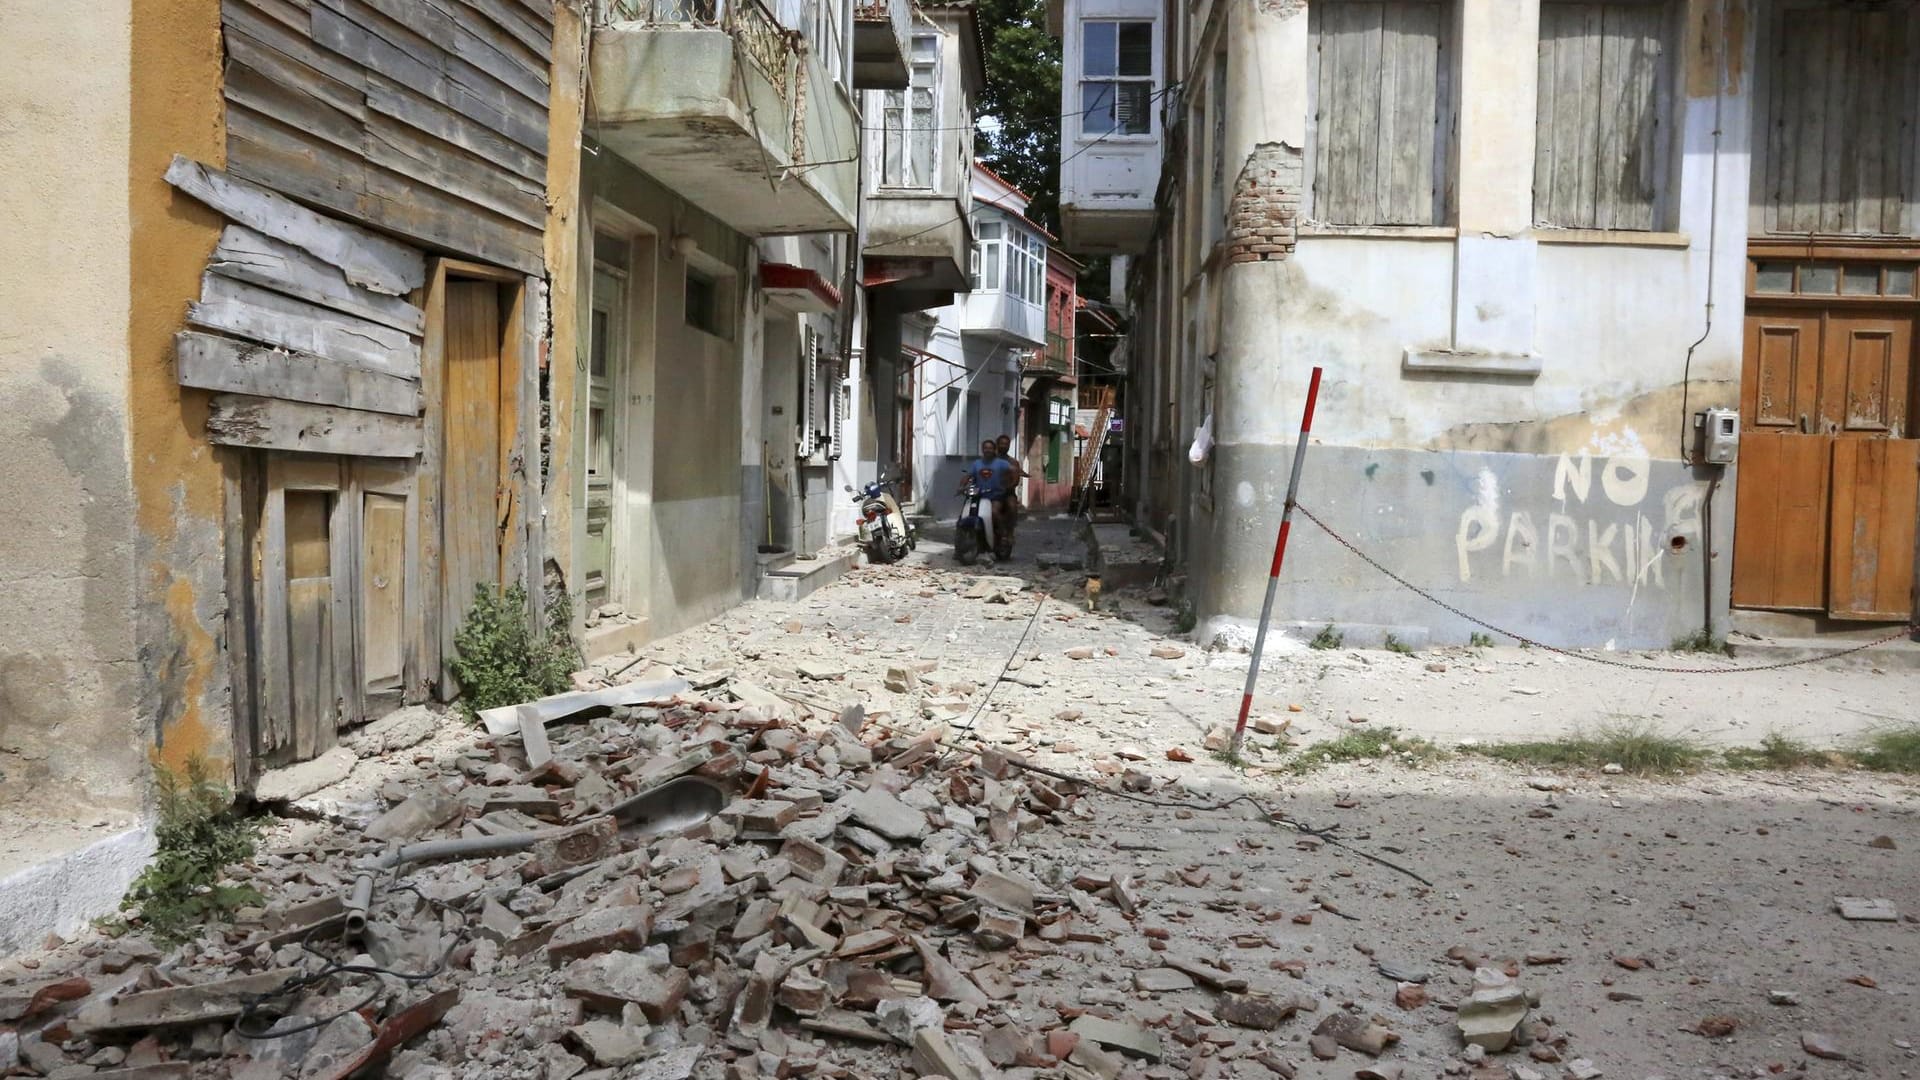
<point x="502" y="661"/>
<point x="1702" y="640"/>
<point x="1327" y="638"/>
<point x="1480" y="641"/>
<point x="1395" y="645"/>
<point x="197" y="837"/>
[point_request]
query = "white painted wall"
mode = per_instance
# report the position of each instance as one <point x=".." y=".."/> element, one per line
<point x="1117" y="172"/>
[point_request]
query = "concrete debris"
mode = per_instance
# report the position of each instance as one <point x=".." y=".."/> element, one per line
<point x="1863" y="909"/>
<point x="1822" y="1046"/>
<point x="1128" y="1038"/>
<point x="1491" y="1016"/>
<point x="302" y="780"/>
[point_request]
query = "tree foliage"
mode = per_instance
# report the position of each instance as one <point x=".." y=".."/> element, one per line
<point x="1023" y="95"/>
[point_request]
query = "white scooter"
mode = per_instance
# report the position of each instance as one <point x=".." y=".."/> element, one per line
<point x="885" y="534"/>
<point x="977" y="533"/>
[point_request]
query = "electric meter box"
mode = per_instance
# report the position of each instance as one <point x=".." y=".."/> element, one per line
<point x="1719" y="435"/>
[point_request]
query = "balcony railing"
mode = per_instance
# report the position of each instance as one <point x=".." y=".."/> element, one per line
<point x="1058" y="354"/>
<point x="659" y="12"/>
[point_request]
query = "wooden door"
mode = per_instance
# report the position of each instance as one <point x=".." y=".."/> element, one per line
<point x="476" y="503"/>
<point x="606" y="353"/>
<point x="1780" y="531"/>
<point x="387" y="593"/>
<point x="306" y="648"/>
<point x="1826" y="498"/>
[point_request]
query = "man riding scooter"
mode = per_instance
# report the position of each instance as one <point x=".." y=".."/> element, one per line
<point x="992" y="475"/>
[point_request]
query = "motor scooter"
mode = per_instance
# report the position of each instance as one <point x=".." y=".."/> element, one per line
<point x="979" y="533"/>
<point x="885" y="534"/>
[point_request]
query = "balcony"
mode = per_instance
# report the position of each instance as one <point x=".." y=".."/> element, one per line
<point x="1056" y="358"/>
<point x="1004" y="319"/>
<point x="719" y="102"/>
<point x="880" y="33"/>
<point x="918" y="241"/>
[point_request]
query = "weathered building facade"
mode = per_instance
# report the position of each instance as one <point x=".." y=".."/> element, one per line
<point x="1528" y="242"/>
<point x="376" y="304"/>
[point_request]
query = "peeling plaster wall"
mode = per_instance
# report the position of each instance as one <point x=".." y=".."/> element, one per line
<point x="68" y="657"/>
<point x="1609" y="323"/>
<point x="180" y="614"/>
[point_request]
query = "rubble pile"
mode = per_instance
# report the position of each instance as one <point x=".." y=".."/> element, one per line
<point x="710" y="886"/>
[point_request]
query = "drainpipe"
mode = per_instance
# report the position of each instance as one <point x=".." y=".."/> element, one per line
<point x="1686" y="376"/>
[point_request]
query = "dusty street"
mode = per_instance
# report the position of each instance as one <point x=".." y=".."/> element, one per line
<point x="1677" y="928"/>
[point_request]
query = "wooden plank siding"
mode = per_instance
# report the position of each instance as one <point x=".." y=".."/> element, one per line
<point x="1379" y="89"/>
<point x="425" y="119"/>
<point x="1840" y="147"/>
<point x="1601" y="136"/>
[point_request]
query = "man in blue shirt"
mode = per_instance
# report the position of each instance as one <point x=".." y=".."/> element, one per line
<point x="993" y="473"/>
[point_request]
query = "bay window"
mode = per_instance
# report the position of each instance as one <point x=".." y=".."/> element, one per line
<point x="1009" y="258"/>
<point x="912" y="119"/>
<point x="1116" y="77"/>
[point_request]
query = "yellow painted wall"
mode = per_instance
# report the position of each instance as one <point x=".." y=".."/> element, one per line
<point x="68" y="653"/>
<point x="174" y="107"/>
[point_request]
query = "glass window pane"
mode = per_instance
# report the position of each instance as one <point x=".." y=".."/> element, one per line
<point x="1136" y="48"/>
<point x="925" y="45"/>
<point x="990" y="266"/>
<point x="1899" y="281"/>
<point x="1132" y="110"/>
<point x="1773" y="277"/>
<point x="989" y="230"/>
<point x="1096" y="107"/>
<point x="1824" y="280"/>
<point x="598" y="350"/>
<point x="1097" y="48"/>
<point x="1861" y="279"/>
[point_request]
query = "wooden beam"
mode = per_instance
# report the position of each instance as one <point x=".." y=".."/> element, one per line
<point x="276" y="319"/>
<point x="241" y="420"/>
<point x="240" y="367"/>
<point x="366" y="258"/>
<point x="246" y="255"/>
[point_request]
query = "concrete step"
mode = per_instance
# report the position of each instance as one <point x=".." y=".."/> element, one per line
<point x="1901" y="654"/>
<point x="801" y="577"/>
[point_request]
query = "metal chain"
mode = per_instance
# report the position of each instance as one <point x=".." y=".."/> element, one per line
<point x="1577" y="655"/>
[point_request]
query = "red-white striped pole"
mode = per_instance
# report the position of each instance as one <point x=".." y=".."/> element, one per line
<point x="1279" y="555"/>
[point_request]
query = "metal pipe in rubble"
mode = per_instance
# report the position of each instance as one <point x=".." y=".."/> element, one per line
<point x="1279" y="555"/>
<point x="360" y="897"/>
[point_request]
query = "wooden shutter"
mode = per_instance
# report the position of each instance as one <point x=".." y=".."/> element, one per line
<point x="1840" y="133"/>
<point x="1377" y="78"/>
<point x="1599" y="148"/>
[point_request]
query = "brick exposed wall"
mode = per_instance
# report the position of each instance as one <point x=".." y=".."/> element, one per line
<point x="1263" y="215"/>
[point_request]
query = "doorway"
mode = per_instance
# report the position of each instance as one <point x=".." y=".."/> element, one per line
<point x="1829" y="471"/>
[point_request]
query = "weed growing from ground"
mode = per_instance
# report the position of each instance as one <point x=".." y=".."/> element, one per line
<point x="1480" y="641"/>
<point x="1702" y="641"/>
<point x="1635" y="746"/>
<point x="1776" y="751"/>
<point x="1395" y="645"/>
<point x="1327" y="638"/>
<point x="1366" y="744"/>
<point x="1892" y="750"/>
<point x="198" y="836"/>
<point x="502" y="661"/>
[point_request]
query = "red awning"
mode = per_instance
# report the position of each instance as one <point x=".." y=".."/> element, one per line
<point x="799" y="288"/>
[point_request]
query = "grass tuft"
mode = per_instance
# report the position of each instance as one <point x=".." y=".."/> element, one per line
<point x="1702" y="641"/>
<point x="1479" y="640"/>
<point x="1776" y="751"/>
<point x="1892" y="750"/>
<point x="1367" y="744"/>
<point x="1327" y="638"/>
<point x="1635" y="746"/>
<point x="1395" y="645"/>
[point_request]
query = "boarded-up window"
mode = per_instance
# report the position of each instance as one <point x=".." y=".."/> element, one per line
<point x="1379" y="81"/>
<point x="1600" y="132"/>
<point x="1840" y="137"/>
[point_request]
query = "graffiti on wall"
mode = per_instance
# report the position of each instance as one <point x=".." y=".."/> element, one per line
<point x="1610" y="526"/>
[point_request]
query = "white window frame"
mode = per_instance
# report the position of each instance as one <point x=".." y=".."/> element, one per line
<point x="1150" y="81"/>
<point x="910" y="128"/>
